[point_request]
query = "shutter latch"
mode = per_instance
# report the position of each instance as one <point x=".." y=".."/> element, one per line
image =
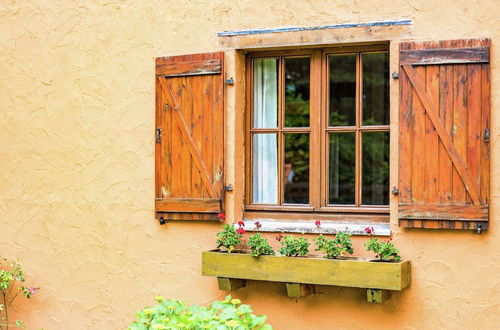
<point x="395" y="75"/>
<point x="158" y="135"/>
<point x="486" y="135"/>
<point x="395" y="191"/>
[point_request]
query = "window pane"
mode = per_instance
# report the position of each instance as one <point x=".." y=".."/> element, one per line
<point x="265" y="169"/>
<point x="342" y="160"/>
<point x="375" y="190"/>
<point x="296" y="168"/>
<point x="342" y="90"/>
<point x="265" y="93"/>
<point x="375" y="88"/>
<point x="297" y="87"/>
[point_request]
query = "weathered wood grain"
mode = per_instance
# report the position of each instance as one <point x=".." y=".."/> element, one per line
<point x="432" y="110"/>
<point x="444" y="212"/>
<point x="186" y="187"/>
<point x="455" y="96"/>
<point x="189" y="68"/>
<point x="188" y="205"/>
<point x="444" y="56"/>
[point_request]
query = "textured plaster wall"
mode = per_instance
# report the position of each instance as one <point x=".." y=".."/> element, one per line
<point x="77" y="162"/>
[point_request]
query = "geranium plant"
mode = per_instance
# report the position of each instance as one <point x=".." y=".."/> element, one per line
<point x="332" y="248"/>
<point x="228" y="314"/>
<point x="259" y="245"/>
<point x="384" y="250"/>
<point x="11" y="279"/>
<point x="229" y="238"/>
<point x="294" y="246"/>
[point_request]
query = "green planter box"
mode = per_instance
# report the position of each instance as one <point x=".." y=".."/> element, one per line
<point x="351" y="272"/>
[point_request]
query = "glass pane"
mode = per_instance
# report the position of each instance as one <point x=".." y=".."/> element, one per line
<point x="342" y="90"/>
<point x="375" y="88"/>
<point x="375" y="190"/>
<point x="265" y="93"/>
<point x="297" y="87"/>
<point x="342" y="161"/>
<point x="265" y="169"/>
<point x="296" y="168"/>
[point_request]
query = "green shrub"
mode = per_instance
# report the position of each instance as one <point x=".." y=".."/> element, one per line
<point x="259" y="245"/>
<point x="332" y="248"/>
<point x="228" y="314"/>
<point x="11" y="276"/>
<point x="293" y="247"/>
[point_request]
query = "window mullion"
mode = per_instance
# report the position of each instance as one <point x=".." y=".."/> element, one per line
<point x="315" y="161"/>
<point x="281" y="119"/>
<point x="359" y="118"/>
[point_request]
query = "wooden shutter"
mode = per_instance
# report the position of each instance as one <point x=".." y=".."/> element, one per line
<point x="444" y="121"/>
<point x="189" y="136"/>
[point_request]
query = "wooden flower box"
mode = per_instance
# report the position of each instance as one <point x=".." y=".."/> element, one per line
<point x="379" y="278"/>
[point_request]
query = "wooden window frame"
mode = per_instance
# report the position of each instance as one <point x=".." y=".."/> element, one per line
<point x="318" y="134"/>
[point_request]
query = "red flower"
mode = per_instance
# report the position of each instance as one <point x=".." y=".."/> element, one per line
<point x="257" y="225"/>
<point x="279" y="237"/>
<point x="318" y="224"/>
<point x="221" y="216"/>
<point x="369" y="230"/>
<point x="241" y="223"/>
<point x="241" y="231"/>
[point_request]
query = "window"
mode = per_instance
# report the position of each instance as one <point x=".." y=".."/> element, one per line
<point x="318" y="130"/>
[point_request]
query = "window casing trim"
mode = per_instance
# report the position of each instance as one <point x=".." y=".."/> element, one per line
<point x="318" y="129"/>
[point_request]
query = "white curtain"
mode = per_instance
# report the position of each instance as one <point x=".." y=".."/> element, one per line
<point x="265" y="93"/>
<point x="265" y="146"/>
<point x="265" y="169"/>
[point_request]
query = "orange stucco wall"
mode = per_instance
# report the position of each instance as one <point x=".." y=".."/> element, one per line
<point x="77" y="166"/>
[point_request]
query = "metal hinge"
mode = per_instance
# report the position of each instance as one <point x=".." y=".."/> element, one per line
<point x="395" y="75"/>
<point x="158" y="135"/>
<point x="395" y="191"/>
<point x="486" y="135"/>
<point x="230" y="81"/>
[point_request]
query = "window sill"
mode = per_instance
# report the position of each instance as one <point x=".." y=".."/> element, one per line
<point x="354" y="227"/>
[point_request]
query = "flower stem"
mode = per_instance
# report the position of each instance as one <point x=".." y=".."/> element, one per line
<point x="6" y="310"/>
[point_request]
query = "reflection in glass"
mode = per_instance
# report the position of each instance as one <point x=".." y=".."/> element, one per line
<point x="375" y="88"/>
<point x="265" y="169"/>
<point x="296" y="168"/>
<point x="265" y="93"/>
<point x="342" y="90"/>
<point x="375" y="190"/>
<point x="297" y="87"/>
<point x="342" y="160"/>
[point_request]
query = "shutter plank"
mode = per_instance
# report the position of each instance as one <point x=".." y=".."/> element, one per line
<point x="198" y="188"/>
<point x="445" y="56"/>
<point x="189" y="68"/>
<point x="431" y="142"/>
<point x="190" y="205"/>
<point x="459" y="131"/>
<point x="445" y="185"/>
<point x="485" y="124"/>
<point x="451" y="212"/>
<point x="405" y="135"/>
<point x="474" y="123"/>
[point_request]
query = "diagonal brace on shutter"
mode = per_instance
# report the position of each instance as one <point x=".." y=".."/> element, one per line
<point x="432" y="111"/>
<point x="186" y="133"/>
